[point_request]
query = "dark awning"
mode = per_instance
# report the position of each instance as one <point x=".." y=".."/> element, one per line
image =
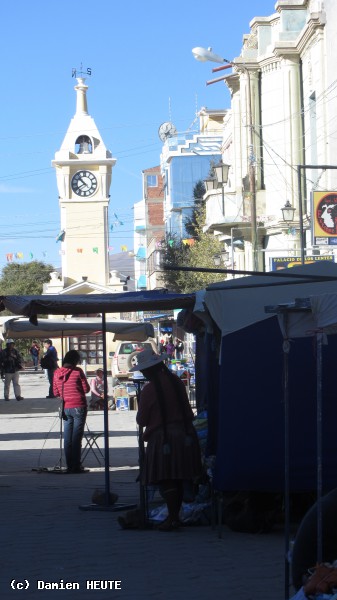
<point x="57" y="304"/>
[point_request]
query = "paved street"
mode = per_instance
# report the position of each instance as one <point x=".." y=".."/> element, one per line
<point x="46" y="537"/>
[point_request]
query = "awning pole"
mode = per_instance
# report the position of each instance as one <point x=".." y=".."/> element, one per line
<point x="286" y="350"/>
<point x="106" y="416"/>
<point x="319" y="339"/>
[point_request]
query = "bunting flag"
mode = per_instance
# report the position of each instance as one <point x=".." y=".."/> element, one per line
<point x="95" y="250"/>
<point x="79" y="250"/>
<point x="31" y="255"/>
<point x="44" y="254"/>
<point x="19" y="255"/>
<point x="118" y="222"/>
<point x="60" y="236"/>
<point x="9" y="257"/>
<point x="170" y="243"/>
<point x="188" y="242"/>
<point x="110" y="248"/>
<point x="124" y="248"/>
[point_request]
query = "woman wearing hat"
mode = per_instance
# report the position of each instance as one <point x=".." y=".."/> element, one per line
<point x="172" y="452"/>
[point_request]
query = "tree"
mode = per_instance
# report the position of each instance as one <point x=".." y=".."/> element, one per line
<point x="199" y="253"/>
<point x="24" y="279"/>
<point x="191" y="223"/>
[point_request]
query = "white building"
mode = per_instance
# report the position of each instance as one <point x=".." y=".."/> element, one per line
<point x="283" y="114"/>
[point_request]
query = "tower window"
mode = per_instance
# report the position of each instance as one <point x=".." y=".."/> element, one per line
<point x="83" y="145"/>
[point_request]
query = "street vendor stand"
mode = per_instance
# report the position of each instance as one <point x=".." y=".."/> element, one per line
<point x="57" y="304"/>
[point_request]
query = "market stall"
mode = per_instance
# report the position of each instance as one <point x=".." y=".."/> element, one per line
<point x="32" y="306"/>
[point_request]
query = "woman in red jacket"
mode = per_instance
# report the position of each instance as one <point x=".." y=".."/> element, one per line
<point x="71" y="384"/>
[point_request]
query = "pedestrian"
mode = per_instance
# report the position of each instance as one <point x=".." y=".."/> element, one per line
<point x="179" y="349"/>
<point x="35" y="351"/>
<point x="71" y="384"/>
<point x="173" y="453"/>
<point x="11" y="363"/>
<point x="170" y="350"/>
<point x="49" y="362"/>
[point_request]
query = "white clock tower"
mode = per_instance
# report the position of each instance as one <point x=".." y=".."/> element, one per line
<point x="83" y="171"/>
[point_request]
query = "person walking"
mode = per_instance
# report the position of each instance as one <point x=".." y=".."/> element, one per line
<point x="71" y="384"/>
<point x="35" y="351"/>
<point x="49" y="362"/>
<point x="179" y="348"/>
<point x="173" y="453"/>
<point x="11" y="363"/>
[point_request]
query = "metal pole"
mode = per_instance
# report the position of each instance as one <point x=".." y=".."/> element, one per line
<point x="286" y="350"/>
<point x="319" y="447"/>
<point x="251" y="167"/>
<point x="106" y="416"/>
<point x="300" y="210"/>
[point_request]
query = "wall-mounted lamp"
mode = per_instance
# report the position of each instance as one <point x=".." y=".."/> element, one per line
<point x="210" y="184"/>
<point x="221" y="258"/>
<point x="288" y="212"/>
<point x="221" y="172"/>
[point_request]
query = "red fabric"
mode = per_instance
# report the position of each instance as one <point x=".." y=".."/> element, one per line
<point x="72" y="385"/>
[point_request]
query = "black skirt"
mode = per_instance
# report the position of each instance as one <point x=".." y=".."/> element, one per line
<point x="177" y="457"/>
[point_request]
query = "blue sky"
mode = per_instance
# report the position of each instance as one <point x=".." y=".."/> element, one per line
<point x="143" y="73"/>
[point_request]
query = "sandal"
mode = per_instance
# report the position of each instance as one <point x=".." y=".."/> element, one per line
<point x="169" y="525"/>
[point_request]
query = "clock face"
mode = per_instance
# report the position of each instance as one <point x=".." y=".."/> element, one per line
<point x="84" y="183"/>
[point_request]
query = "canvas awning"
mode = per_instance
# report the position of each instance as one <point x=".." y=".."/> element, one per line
<point x="239" y="303"/>
<point x="56" y="328"/>
<point x="59" y="304"/>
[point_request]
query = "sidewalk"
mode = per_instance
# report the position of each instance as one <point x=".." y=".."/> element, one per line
<point x="46" y="537"/>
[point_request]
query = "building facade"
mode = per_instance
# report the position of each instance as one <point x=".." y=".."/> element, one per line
<point x="282" y="115"/>
<point x="186" y="159"/>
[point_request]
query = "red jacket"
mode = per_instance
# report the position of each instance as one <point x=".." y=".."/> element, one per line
<point x="72" y="385"/>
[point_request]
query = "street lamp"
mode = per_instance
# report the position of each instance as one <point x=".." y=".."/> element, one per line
<point x="221" y="172"/>
<point x="206" y="54"/>
<point x="220" y="179"/>
<point x="221" y="258"/>
<point x="210" y="184"/>
<point x="288" y="212"/>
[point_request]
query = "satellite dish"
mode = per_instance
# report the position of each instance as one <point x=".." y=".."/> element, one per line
<point x="166" y="130"/>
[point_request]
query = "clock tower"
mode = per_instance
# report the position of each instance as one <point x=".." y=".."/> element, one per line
<point x="83" y="172"/>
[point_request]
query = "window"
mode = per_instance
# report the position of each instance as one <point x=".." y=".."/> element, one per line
<point x="152" y="181"/>
<point x="83" y="145"/>
<point x="90" y="348"/>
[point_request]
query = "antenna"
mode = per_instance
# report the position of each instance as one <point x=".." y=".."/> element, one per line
<point x="80" y="73"/>
<point x="169" y="109"/>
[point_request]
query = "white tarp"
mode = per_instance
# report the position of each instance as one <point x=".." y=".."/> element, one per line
<point x="320" y="317"/>
<point x="56" y="328"/>
<point x="237" y="304"/>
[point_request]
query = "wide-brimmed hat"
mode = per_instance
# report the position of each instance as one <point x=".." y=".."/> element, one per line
<point x="146" y="359"/>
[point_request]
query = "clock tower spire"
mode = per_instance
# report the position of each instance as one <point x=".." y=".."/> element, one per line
<point x="83" y="172"/>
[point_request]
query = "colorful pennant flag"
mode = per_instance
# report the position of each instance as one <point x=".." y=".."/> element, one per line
<point x="31" y="255"/>
<point x="79" y="250"/>
<point x="9" y="257"/>
<point x="124" y="248"/>
<point x="19" y="255"/>
<point x="60" y="236"/>
<point x="95" y="250"/>
<point x="188" y="242"/>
